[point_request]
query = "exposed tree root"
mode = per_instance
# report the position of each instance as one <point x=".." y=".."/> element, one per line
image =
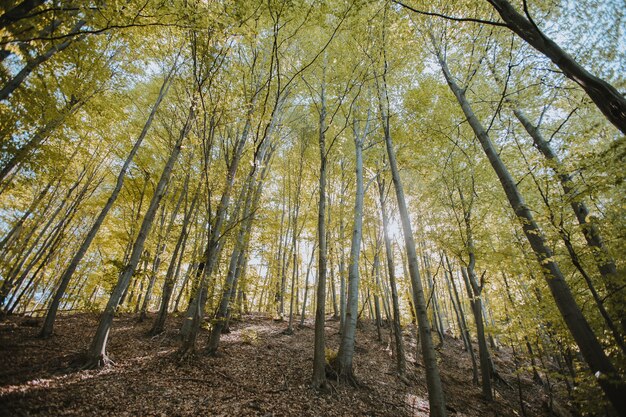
<point x="185" y="355"/>
<point x="334" y="372"/>
<point x="214" y="352"/>
<point x="323" y="387"/>
<point x="98" y="362"/>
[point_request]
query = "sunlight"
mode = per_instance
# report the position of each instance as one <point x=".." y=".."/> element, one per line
<point x="394" y="228"/>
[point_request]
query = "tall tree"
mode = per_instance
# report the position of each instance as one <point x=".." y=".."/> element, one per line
<point x="433" y="379"/>
<point x="346" y="347"/>
<point x="64" y="281"/>
<point x="96" y="355"/>
<point x="598" y="362"/>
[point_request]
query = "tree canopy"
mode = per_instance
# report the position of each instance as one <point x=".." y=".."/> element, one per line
<point x="410" y="159"/>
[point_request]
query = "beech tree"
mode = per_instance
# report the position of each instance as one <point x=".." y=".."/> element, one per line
<point x="388" y="163"/>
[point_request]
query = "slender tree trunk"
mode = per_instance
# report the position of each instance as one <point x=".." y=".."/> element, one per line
<point x="170" y="276"/>
<point x="160" y="248"/>
<point x="18" y="12"/>
<point x="483" y="351"/>
<point x="156" y="262"/>
<point x="192" y="269"/>
<point x="48" y="325"/>
<point x="284" y="264"/>
<point x="37" y="139"/>
<point x="391" y="272"/>
<point x="306" y="285"/>
<point x="294" y="242"/>
<point x="433" y="379"/>
<point x="376" y="299"/>
<point x="346" y="347"/>
<point x="25" y="251"/>
<point x="464" y="327"/>
<point x="432" y="299"/>
<point x="97" y="352"/>
<point x="319" y="357"/>
<point x="18" y="227"/>
<point x="31" y="64"/>
<point x="596" y="359"/>
<point x="196" y="308"/>
<point x="606" y="97"/>
<point x="342" y="260"/>
<point x="604" y="261"/>
<point x="474" y="290"/>
<point x="250" y="197"/>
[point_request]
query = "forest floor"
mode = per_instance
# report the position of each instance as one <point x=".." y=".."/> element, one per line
<point x="261" y="371"/>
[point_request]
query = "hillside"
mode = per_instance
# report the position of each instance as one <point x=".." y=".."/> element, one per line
<point x="261" y="372"/>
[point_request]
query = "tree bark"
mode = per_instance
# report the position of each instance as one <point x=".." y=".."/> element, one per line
<point x="391" y="272"/>
<point x="37" y="139"/>
<point x="306" y="284"/>
<point x="30" y="66"/>
<point x="433" y="380"/>
<point x="319" y="358"/>
<point x="606" y="97"/>
<point x="48" y="325"/>
<point x="251" y="197"/>
<point x="196" y="307"/>
<point x="607" y="375"/>
<point x="96" y="355"/>
<point x="603" y="259"/>
<point x="346" y="347"/>
<point x="19" y="12"/>
<point x="170" y="276"/>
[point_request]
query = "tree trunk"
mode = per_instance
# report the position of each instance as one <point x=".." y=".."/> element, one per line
<point x="196" y="308"/>
<point x="604" y="261"/>
<point x="342" y="257"/>
<point x="19" y="12"/>
<point x="433" y="380"/>
<point x="48" y="325"/>
<point x="607" y="376"/>
<point x="606" y="97"/>
<point x="170" y="277"/>
<point x="306" y="284"/>
<point x="295" y="236"/>
<point x="378" y="288"/>
<point x="251" y="196"/>
<point x="25" y="251"/>
<point x="346" y="347"/>
<point x="160" y="248"/>
<point x="18" y="227"/>
<point x="464" y="327"/>
<point x="31" y="64"/>
<point x="319" y="357"/>
<point x="391" y="272"/>
<point x="97" y="352"/>
<point x="37" y="139"/>
<point x="473" y="292"/>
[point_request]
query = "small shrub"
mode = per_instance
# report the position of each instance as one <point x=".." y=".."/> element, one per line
<point x="330" y="354"/>
<point x="249" y="336"/>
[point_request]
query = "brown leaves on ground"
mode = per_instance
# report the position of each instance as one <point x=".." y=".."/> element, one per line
<point x="261" y="371"/>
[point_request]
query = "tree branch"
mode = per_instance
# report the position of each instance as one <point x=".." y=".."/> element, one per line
<point x="456" y="19"/>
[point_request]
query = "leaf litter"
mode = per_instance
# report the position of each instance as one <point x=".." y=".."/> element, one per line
<point x="260" y="372"/>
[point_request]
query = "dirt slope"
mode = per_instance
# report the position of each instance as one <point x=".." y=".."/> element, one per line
<point x="261" y="372"/>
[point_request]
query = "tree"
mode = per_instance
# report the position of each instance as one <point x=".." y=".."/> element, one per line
<point x="97" y="356"/>
<point x="584" y="336"/>
<point x="346" y="348"/>
<point x="48" y="325"/>
<point x="397" y="328"/>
